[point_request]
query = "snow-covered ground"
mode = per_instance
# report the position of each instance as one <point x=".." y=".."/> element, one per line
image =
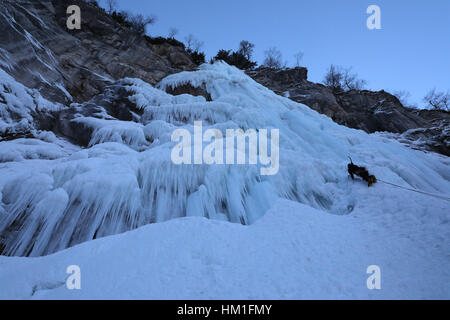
<point x="293" y="252"/>
<point x="310" y="232"/>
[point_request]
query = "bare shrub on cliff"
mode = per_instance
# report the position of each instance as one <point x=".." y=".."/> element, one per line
<point x="273" y="58"/>
<point x="139" y="22"/>
<point x="438" y="100"/>
<point x="111" y="6"/>
<point x="341" y="79"/>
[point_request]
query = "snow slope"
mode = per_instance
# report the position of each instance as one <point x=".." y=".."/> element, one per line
<point x="56" y="197"/>
<point x="306" y="232"/>
<point x="293" y="252"/>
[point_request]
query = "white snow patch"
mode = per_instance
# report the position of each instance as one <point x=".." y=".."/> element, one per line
<point x="293" y="252"/>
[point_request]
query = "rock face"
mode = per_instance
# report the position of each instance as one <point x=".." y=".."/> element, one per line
<point x="113" y="104"/>
<point x="38" y="50"/>
<point x="189" y="89"/>
<point x="366" y="110"/>
<point x="64" y="66"/>
<point x="435" y="136"/>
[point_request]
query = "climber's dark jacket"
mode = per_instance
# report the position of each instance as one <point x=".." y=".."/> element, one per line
<point x="362" y="172"/>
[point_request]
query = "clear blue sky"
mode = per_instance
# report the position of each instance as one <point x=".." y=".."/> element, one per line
<point x="411" y="52"/>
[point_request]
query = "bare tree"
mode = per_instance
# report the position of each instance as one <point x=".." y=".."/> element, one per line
<point x="139" y="22"/>
<point x="402" y="96"/>
<point x="111" y="6"/>
<point x="246" y="49"/>
<point x="333" y="78"/>
<point x="273" y="58"/>
<point x="173" y="32"/>
<point x="198" y="45"/>
<point x="340" y="79"/>
<point x="192" y="43"/>
<point x="438" y="100"/>
<point x="298" y="58"/>
<point x="351" y="81"/>
<point x="190" y="39"/>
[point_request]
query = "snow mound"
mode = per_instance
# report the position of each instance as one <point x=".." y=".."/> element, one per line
<point x="23" y="149"/>
<point x="126" y="178"/>
<point x="293" y="252"/>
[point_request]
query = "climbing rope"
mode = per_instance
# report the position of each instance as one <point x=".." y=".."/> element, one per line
<point x="418" y="191"/>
